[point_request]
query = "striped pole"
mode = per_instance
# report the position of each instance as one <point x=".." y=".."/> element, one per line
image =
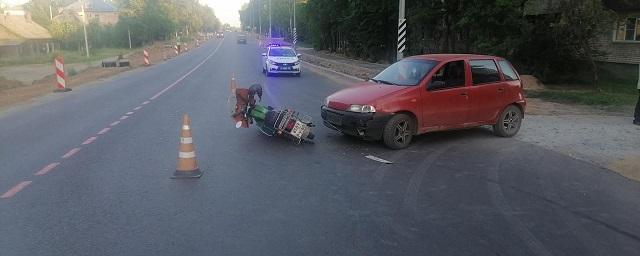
<point x="61" y="84"/>
<point x="175" y="47"/>
<point x="402" y="37"/>
<point x="295" y="37"/>
<point x="146" y="57"/>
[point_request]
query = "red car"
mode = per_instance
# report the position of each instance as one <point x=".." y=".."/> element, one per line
<point x="429" y="93"/>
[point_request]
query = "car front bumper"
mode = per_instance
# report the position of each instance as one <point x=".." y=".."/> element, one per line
<point x="368" y="126"/>
<point x="278" y="69"/>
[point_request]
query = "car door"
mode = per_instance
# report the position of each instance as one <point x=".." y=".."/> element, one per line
<point x="487" y="91"/>
<point x="445" y="102"/>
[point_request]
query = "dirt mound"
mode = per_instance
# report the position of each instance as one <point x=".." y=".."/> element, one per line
<point x="530" y="82"/>
<point x="8" y="84"/>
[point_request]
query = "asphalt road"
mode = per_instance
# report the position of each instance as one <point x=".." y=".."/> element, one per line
<point x="451" y="193"/>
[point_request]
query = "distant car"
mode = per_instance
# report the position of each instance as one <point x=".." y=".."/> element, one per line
<point x="219" y="34"/>
<point x="280" y="59"/>
<point x="242" y="39"/>
<point x="429" y="93"/>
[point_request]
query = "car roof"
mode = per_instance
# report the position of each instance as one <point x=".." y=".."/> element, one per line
<point x="446" y="57"/>
<point x="281" y="47"/>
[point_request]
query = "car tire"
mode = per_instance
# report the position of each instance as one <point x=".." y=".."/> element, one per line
<point x="399" y="131"/>
<point x="509" y="122"/>
<point x="298" y="74"/>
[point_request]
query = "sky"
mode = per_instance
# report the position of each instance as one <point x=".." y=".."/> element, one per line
<point x="226" y="10"/>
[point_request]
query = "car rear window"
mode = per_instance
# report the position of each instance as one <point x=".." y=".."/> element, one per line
<point x="484" y="71"/>
<point x="507" y="70"/>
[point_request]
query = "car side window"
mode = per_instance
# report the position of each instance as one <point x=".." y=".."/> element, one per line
<point x="507" y="70"/>
<point x="484" y="71"/>
<point x="450" y="75"/>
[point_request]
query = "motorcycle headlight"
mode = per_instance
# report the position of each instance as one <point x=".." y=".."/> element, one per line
<point x="362" y="109"/>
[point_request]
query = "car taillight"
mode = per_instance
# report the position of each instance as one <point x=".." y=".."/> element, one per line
<point x="291" y="124"/>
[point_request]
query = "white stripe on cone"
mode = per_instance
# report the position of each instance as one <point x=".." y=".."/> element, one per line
<point x="186" y="140"/>
<point x="191" y="154"/>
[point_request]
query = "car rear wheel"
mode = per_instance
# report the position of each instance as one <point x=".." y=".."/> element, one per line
<point x="509" y="122"/>
<point x="399" y="131"/>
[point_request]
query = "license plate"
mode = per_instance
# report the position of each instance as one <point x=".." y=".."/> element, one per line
<point x="298" y="129"/>
<point x="334" y="118"/>
<point x="285" y="68"/>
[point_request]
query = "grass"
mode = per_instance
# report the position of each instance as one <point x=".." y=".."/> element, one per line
<point x="612" y="93"/>
<point x="69" y="56"/>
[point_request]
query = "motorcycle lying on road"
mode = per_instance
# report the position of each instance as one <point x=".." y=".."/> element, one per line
<point x="283" y="122"/>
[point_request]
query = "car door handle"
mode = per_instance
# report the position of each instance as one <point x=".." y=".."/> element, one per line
<point x="463" y="94"/>
<point x="500" y="89"/>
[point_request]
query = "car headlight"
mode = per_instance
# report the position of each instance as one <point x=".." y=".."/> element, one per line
<point x="272" y="62"/>
<point x="326" y="101"/>
<point x="296" y="63"/>
<point x="362" y="109"/>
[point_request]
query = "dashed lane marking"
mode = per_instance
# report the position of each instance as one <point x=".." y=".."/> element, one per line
<point x="103" y="131"/>
<point x="15" y="189"/>
<point x="47" y="169"/>
<point x="71" y="153"/>
<point x="89" y="140"/>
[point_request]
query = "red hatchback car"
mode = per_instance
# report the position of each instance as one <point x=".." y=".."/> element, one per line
<point x="428" y="93"/>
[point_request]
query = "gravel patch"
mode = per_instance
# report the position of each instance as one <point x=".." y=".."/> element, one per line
<point x="609" y="141"/>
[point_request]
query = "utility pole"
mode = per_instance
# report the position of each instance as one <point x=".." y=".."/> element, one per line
<point x="270" y="35"/>
<point x="50" y="10"/>
<point x="260" y="18"/>
<point x="84" y="27"/>
<point x="402" y="30"/>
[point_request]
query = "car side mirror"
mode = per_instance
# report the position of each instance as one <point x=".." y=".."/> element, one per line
<point x="435" y="85"/>
<point x="264" y="54"/>
<point x="299" y="55"/>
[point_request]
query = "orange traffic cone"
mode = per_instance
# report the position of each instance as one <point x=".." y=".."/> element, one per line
<point x="187" y="165"/>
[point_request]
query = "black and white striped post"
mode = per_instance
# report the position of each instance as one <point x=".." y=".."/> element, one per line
<point x="295" y="33"/>
<point x="402" y="31"/>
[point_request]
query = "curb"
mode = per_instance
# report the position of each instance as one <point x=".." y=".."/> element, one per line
<point x="334" y="71"/>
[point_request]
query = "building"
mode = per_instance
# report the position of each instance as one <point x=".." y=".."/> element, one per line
<point x="21" y="36"/>
<point x="98" y="10"/>
<point x="622" y="45"/>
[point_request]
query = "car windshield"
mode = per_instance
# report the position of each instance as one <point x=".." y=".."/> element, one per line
<point x="405" y="72"/>
<point x="282" y="52"/>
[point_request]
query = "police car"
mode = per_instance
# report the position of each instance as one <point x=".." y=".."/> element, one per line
<point x="280" y="59"/>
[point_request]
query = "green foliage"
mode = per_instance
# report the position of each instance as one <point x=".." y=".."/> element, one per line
<point x="145" y="20"/>
<point x="551" y="45"/>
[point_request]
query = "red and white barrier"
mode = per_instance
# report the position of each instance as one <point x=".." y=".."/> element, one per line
<point x="61" y="83"/>
<point x="146" y="57"/>
<point x="176" y="49"/>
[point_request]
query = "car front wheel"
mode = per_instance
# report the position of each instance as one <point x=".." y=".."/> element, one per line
<point x="398" y="132"/>
<point x="509" y="122"/>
